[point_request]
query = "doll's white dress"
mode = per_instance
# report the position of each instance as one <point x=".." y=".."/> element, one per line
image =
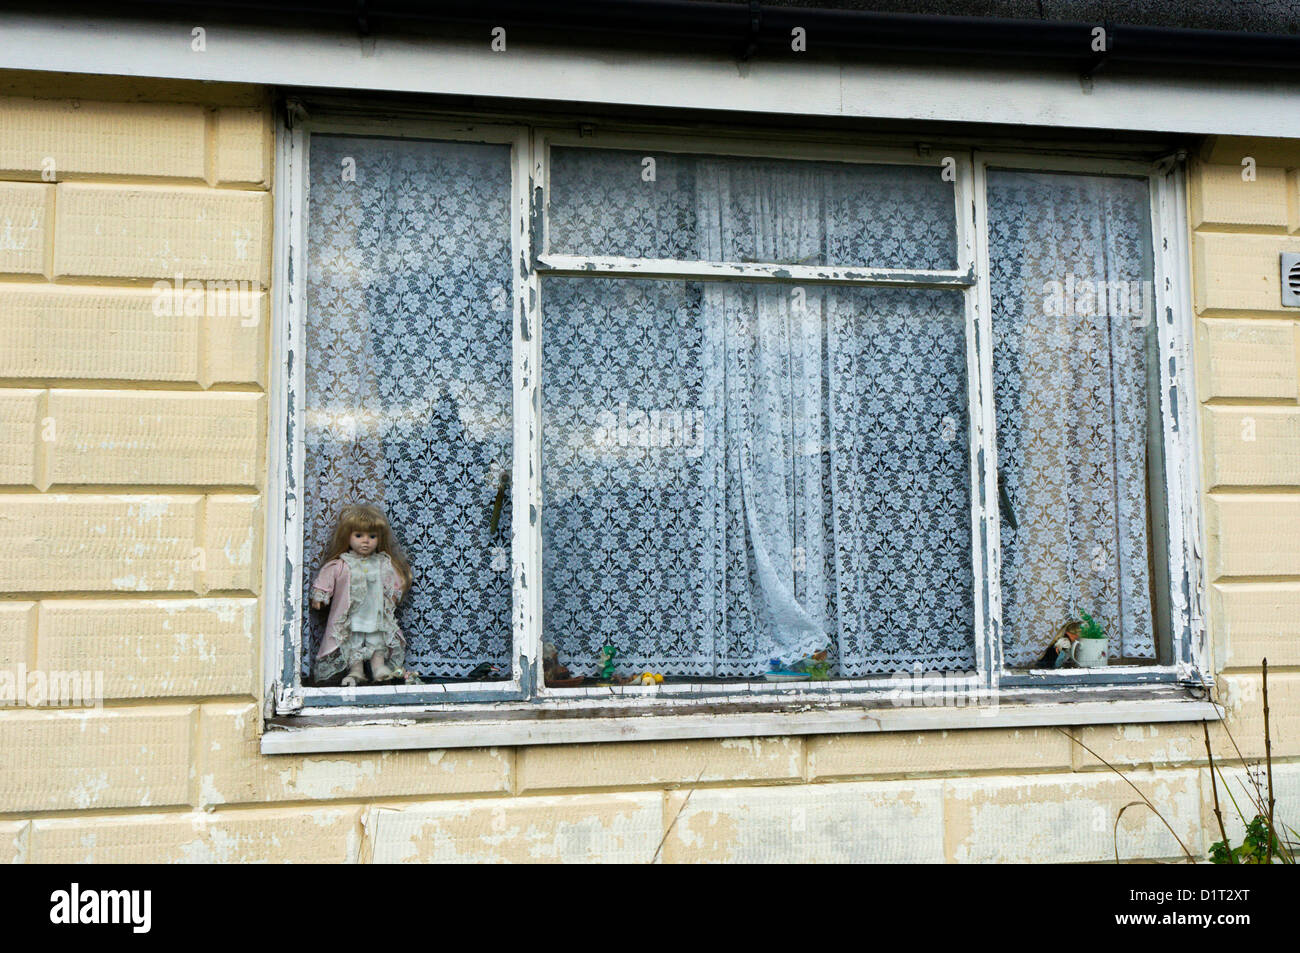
<point x="369" y="623"/>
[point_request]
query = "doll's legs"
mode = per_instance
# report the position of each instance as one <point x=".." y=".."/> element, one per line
<point x="379" y="666"/>
<point x="356" y="674"/>
<point x="356" y="647"/>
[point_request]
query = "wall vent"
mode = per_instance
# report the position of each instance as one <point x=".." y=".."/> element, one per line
<point x="1290" y="279"/>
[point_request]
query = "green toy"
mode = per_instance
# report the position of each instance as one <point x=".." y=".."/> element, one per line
<point x="607" y="653"/>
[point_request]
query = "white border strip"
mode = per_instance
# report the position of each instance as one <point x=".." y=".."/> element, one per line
<point x="1248" y="105"/>
<point x="487" y="733"/>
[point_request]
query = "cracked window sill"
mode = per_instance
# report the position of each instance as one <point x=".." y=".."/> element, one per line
<point x="541" y="723"/>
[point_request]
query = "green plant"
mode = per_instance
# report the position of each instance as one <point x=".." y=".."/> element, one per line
<point x="1091" y="628"/>
<point x="1255" y="849"/>
<point x="1261" y="844"/>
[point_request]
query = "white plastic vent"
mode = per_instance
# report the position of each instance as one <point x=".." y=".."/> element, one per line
<point x="1290" y="279"/>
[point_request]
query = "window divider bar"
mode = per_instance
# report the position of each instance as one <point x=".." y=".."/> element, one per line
<point x="285" y="454"/>
<point x="988" y="514"/>
<point x="1175" y="327"/>
<point x="526" y="494"/>
<point x="612" y="266"/>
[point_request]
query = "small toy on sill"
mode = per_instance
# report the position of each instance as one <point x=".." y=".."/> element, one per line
<point x="554" y="674"/>
<point x="363" y="576"/>
<point x="816" y="665"/>
<point x="403" y="676"/>
<point x="484" y="671"/>
<point x="1063" y="648"/>
<point x="607" y="656"/>
<point x="648" y="678"/>
<point x="778" y="672"/>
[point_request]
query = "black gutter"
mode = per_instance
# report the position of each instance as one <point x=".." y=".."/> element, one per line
<point x="748" y="29"/>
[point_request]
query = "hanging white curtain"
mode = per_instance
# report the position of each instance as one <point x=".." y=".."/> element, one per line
<point x="765" y="352"/>
<point x="1071" y="265"/>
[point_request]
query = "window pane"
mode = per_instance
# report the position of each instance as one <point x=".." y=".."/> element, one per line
<point x="1070" y="259"/>
<point x="408" y="378"/>
<point x="719" y="208"/>
<point x="734" y="473"/>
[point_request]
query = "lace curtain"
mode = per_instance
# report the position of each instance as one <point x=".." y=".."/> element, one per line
<point x="732" y="471"/>
<point x="408" y="378"/>
<point x="1073" y="337"/>
<point x="614" y="202"/>
<point x="737" y="472"/>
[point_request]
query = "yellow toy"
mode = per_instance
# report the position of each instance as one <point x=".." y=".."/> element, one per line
<point x="648" y="678"/>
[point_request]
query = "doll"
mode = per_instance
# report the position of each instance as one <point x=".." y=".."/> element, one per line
<point x="364" y="576"/>
<point x="1060" y="654"/>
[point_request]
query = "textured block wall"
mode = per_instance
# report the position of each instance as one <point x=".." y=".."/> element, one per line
<point x="1245" y="211"/>
<point x="132" y="458"/>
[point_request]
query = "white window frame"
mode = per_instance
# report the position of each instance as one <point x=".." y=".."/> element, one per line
<point x="523" y="710"/>
<point x="285" y="524"/>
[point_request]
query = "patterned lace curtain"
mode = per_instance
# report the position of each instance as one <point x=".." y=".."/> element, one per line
<point x="408" y="378"/>
<point x="1073" y="338"/>
<point x="816" y="493"/>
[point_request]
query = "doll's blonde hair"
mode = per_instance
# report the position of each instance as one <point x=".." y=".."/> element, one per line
<point x="364" y="518"/>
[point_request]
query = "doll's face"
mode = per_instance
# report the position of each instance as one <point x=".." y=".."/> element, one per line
<point x="363" y="544"/>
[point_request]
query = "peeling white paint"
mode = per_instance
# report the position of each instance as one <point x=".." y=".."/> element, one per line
<point x="317" y="779"/>
<point x="209" y="795"/>
<point x="89" y="790"/>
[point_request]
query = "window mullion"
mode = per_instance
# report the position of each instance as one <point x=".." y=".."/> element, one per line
<point x="985" y="514"/>
<point x="1172" y="308"/>
<point x="286" y="530"/>
<point x="526" y="495"/>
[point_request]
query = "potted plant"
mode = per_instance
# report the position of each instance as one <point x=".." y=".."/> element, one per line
<point x="1091" y="647"/>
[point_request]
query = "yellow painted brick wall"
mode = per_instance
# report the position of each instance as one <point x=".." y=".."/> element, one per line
<point x="132" y="467"/>
<point x="1244" y="211"/>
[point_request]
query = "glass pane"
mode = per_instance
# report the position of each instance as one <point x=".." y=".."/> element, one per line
<point x="720" y="208"/>
<point x="737" y="473"/>
<point x="1074" y="348"/>
<point x="408" y="381"/>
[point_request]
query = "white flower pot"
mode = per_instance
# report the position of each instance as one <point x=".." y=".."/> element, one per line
<point x="1091" y="653"/>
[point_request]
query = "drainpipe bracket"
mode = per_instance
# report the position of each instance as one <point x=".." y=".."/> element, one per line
<point x="751" y="38"/>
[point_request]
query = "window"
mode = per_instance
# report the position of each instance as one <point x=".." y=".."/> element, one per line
<point x="1076" y="398"/>
<point x="407" y="379"/>
<point x="728" y="408"/>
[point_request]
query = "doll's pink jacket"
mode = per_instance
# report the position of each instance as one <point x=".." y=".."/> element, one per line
<point x="335" y="583"/>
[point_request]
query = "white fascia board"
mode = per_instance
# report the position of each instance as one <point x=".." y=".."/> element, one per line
<point x="1250" y="106"/>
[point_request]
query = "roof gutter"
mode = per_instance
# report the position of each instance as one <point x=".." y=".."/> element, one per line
<point x="758" y="28"/>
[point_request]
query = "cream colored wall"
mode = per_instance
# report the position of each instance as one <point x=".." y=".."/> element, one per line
<point x="131" y="461"/>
